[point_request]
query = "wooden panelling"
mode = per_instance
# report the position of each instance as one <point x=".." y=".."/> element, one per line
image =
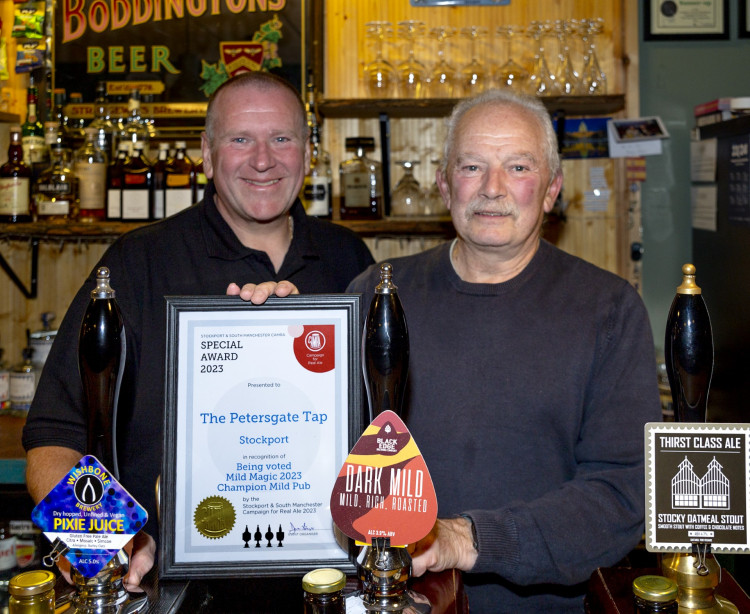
<point x="62" y="270"/>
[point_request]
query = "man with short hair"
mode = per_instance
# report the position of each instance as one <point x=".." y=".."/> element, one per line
<point x="250" y="229"/>
<point x="531" y="375"/>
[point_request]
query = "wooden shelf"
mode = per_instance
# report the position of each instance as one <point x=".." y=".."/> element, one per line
<point x="10" y="118"/>
<point x="437" y="107"/>
<point x="109" y="231"/>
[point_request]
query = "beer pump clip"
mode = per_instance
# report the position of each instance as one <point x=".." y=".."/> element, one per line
<point x="89" y="516"/>
<point x="383" y="497"/>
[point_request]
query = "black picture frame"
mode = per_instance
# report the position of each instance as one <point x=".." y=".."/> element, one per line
<point x="343" y="310"/>
<point x="743" y="30"/>
<point x="718" y="30"/>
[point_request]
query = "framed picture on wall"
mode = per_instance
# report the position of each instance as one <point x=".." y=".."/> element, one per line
<point x="744" y="20"/>
<point x="685" y="20"/>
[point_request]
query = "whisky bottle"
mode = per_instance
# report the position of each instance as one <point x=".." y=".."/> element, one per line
<point x="179" y="181"/>
<point x="135" y="128"/>
<point x="200" y="181"/>
<point x="56" y="188"/>
<point x="105" y="136"/>
<point x="317" y="191"/>
<point x="32" y="136"/>
<point x="90" y="167"/>
<point x="15" y="183"/>
<point x="76" y="122"/>
<point x="689" y="350"/>
<point x="361" y="181"/>
<point x="160" y="165"/>
<point x="59" y="117"/>
<point x="114" y="182"/>
<point x="137" y="186"/>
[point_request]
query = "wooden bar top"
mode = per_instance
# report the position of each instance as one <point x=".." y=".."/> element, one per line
<point x="610" y="590"/>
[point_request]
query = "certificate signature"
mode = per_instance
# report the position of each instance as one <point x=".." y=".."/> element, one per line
<point x="295" y="530"/>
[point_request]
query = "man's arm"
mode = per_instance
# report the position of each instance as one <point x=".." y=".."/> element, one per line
<point x="46" y="466"/>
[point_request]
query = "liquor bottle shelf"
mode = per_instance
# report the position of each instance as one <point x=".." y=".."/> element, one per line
<point x="436" y="107"/>
<point x="79" y="232"/>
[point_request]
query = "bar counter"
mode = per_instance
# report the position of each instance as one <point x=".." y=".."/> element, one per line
<point x="610" y="590"/>
<point x="271" y="595"/>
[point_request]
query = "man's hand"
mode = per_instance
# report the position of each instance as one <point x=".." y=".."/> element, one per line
<point x="258" y="293"/>
<point x="141" y="560"/>
<point x="450" y="545"/>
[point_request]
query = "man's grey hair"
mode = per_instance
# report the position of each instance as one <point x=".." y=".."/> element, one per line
<point x="505" y="98"/>
<point x="262" y="81"/>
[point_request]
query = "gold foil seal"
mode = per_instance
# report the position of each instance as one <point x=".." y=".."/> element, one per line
<point x="214" y="517"/>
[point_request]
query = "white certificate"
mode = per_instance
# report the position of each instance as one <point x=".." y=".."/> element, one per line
<point x="263" y="405"/>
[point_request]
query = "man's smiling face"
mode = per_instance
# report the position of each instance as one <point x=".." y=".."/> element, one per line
<point x="258" y="154"/>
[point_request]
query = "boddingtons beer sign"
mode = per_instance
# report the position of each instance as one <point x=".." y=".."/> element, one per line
<point x="181" y="49"/>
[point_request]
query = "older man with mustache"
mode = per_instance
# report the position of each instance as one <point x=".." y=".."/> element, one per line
<point x="531" y="376"/>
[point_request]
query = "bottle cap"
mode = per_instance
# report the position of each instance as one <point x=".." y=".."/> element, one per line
<point x="655" y="588"/>
<point x="323" y="580"/>
<point x="364" y="142"/>
<point x="31" y="583"/>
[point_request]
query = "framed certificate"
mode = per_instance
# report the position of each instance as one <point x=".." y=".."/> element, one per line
<point x="262" y="407"/>
<point x="744" y="30"/>
<point x="685" y="20"/>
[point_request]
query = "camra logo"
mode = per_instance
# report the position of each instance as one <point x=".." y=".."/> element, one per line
<point x="88" y="490"/>
<point x="315" y="341"/>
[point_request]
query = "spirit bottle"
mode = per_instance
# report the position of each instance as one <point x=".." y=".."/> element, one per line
<point x="361" y="182"/>
<point x="135" y="128"/>
<point x="76" y="122"/>
<point x="90" y="167"/>
<point x="59" y="116"/>
<point x="317" y="192"/>
<point x="56" y="188"/>
<point x="114" y="182"/>
<point x="200" y="181"/>
<point x="102" y="123"/>
<point x="160" y="165"/>
<point x="15" y="183"/>
<point x="137" y="186"/>
<point x="23" y="379"/>
<point x="32" y="135"/>
<point x="179" y="181"/>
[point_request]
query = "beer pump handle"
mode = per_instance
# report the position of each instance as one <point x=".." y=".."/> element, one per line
<point x="101" y="360"/>
<point x="385" y="348"/>
<point x="689" y="350"/>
